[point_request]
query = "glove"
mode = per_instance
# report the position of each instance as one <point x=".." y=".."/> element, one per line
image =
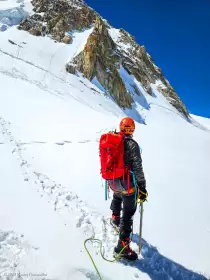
<point x="142" y="193"/>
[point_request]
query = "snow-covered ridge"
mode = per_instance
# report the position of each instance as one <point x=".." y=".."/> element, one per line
<point x="203" y="122"/>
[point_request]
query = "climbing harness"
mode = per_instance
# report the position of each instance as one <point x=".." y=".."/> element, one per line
<point x="132" y="190"/>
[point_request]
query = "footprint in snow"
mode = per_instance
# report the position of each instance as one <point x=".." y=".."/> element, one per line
<point x="84" y="141"/>
<point x="60" y="143"/>
<point x="87" y="274"/>
<point x="12" y="248"/>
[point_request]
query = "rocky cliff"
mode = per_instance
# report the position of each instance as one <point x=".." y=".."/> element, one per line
<point x="58" y="17"/>
<point x="99" y="59"/>
<point x="104" y="54"/>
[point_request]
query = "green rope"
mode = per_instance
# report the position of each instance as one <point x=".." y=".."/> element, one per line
<point x="89" y="239"/>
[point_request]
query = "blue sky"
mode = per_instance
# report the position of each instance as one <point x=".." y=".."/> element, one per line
<point x="176" y="33"/>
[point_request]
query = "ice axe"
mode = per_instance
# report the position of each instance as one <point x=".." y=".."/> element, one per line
<point x="141" y="210"/>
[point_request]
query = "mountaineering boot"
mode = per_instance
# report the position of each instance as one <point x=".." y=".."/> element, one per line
<point x="115" y="221"/>
<point x="127" y="253"/>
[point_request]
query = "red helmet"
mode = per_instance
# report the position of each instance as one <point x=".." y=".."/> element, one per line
<point x="127" y="125"/>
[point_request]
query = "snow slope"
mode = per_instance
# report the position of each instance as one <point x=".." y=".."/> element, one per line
<point x="51" y="194"/>
<point x="202" y="121"/>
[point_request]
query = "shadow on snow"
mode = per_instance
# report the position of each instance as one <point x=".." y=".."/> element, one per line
<point x="159" y="267"/>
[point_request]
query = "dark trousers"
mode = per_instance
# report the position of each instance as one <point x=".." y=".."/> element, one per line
<point x="127" y="204"/>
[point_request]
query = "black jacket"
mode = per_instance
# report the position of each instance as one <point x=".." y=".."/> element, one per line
<point x="132" y="158"/>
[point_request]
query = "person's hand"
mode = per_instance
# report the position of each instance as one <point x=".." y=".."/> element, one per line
<point x="142" y="193"/>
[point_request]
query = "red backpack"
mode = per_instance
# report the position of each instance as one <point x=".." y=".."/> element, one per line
<point x="111" y="150"/>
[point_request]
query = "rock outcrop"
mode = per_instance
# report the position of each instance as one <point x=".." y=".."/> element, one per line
<point x="56" y="17"/>
<point x="98" y="60"/>
<point x="174" y="99"/>
<point x="139" y="63"/>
